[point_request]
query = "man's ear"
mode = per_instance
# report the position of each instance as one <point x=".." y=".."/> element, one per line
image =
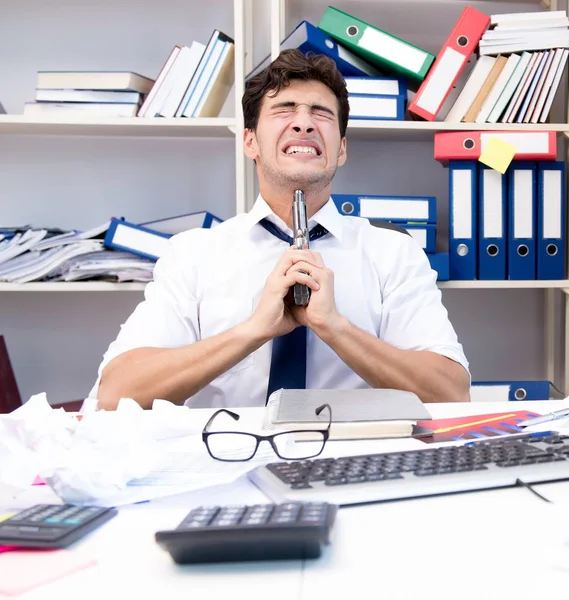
<point x="250" y="146"/>
<point x="342" y="156"/>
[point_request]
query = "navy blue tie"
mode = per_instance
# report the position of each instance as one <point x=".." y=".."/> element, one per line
<point x="288" y="361"/>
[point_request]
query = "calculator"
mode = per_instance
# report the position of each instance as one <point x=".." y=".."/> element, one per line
<point x="292" y="530"/>
<point x="52" y="525"/>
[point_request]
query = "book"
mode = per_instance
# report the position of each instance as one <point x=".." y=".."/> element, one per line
<point x="88" y="96"/>
<point x="214" y="50"/>
<point x="156" y="95"/>
<point x="79" y="110"/>
<point x="356" y="414"/>
<point x="475" y="427"/>
<point x="178" y="79"/>
<point x="94" y="80"/>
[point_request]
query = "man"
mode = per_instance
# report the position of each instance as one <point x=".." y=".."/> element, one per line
<point x="219" y="308"/>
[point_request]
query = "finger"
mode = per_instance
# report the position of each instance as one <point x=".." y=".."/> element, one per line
<point x="304" y="266"/>
<point x="286" y="261"/>
<point x="298" y="277"/>
<point x="309" y="256"/>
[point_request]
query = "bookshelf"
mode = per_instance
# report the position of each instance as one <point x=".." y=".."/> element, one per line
<point x="424" y="130"/>
<point x="120" y="127"/>
<point x="106" y="286"/>
<point x="257" y="27"/>
<point x="553" y="304"/>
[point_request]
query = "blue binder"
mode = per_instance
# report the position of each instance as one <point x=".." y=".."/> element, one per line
<point x="142" y="241"/>
<point x="377" y="107"/>
<point x="309" y="38"/>
<point x="463" y="195"/>
<point x="551" y="234"/>
<point x="172" y="225"/>
<point x="440" y="263"/>
<point x="492" y="230"/>
<point x="520" y="390"/>
<point x="385" y="86"/>
<point x="398" y="209"/>
<point x="424" y="234"/>
<point x="521" y="220"/>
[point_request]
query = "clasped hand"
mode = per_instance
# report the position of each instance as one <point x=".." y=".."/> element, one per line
<point x="276" y="313"/>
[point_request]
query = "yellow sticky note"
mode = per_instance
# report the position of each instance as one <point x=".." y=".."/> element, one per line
<point x="4" y="517"/>
<point x="497" y="154"/>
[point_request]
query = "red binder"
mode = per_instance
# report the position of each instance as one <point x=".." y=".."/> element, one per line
<point x="449" y="64"/>
<point x="467" y="145"/>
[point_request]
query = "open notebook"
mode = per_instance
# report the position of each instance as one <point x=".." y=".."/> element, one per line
<point x="356" y="414"/>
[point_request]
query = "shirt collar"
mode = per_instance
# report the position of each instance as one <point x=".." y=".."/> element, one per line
<point x="328" y="216"/>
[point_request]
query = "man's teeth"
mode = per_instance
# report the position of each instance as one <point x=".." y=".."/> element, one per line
<point x="301" y="150"/>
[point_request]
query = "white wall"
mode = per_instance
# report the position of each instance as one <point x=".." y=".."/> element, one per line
<point x="56" y="340"/>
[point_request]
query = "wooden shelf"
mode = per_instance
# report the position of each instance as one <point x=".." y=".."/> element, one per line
<point x="504" y="285"/>
<point x="105" y="286"/>
<point x="119" y="126"/>
<point x="424" y="130"/>
<point x="225" y="128"/>
<point x="72" y="286"/>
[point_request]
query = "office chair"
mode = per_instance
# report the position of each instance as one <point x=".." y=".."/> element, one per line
<point x="10" y="398"/>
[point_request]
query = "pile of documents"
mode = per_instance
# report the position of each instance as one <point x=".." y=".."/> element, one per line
<point x="110" y="458"/>
<point x="28" y="254"/>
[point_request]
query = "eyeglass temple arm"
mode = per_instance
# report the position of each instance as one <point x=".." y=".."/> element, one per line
<point x="233" y="415"/>
<point x="321" y="408"/>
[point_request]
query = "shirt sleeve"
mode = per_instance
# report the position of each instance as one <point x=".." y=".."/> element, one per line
<point x="413" y="315"/>
<point x="168" y="315"/>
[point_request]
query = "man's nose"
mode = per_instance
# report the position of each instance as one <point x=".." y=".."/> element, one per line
<point x="302" y="122"/>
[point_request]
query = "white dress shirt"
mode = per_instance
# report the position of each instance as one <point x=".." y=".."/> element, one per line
<point x="211" y="280"/>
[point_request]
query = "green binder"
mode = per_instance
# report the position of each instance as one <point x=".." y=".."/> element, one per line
<point x="381" y="49"/>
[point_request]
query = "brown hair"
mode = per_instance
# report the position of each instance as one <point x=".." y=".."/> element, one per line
<point x="289" y="65"/>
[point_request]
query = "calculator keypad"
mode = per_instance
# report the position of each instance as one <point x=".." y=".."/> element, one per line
<point x="44" y="523"/>
<point x="257" y="515"/>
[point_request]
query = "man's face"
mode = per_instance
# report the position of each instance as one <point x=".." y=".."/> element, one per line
<point x="297" y="141"/>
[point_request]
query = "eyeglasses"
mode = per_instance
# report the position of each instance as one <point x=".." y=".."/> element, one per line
<point x="238" y="446"/>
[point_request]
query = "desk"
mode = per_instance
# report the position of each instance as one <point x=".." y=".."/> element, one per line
<point x="461" y="546"/>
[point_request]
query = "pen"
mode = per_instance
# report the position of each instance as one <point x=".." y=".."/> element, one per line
<point x="510" y="436"/>
<point x="557" y="414"/>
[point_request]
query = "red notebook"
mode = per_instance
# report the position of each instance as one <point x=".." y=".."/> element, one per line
<point x="475" y="427"/>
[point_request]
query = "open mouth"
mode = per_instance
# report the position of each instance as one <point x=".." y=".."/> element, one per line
<point x="302" y="149"/>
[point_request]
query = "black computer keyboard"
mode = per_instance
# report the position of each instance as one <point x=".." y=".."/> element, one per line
<point x="479" y="465"/>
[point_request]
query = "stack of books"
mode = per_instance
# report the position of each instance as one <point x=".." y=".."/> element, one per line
<point x="195" y="80"/>
<point x="416" y="214"/>
<point x="518" y="72"/>
<point x="88" y="93"/>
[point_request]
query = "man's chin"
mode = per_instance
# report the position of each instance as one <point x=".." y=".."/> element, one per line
<point x="307" y="177"/>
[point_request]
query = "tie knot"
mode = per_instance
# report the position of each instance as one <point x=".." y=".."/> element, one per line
<point x="316" y="232"/>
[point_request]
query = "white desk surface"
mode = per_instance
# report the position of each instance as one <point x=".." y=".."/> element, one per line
<point x="505" y="544"/>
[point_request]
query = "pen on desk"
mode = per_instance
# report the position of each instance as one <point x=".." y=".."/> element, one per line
<point x="553" y="416"/>
<point x="510" y="436"/>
